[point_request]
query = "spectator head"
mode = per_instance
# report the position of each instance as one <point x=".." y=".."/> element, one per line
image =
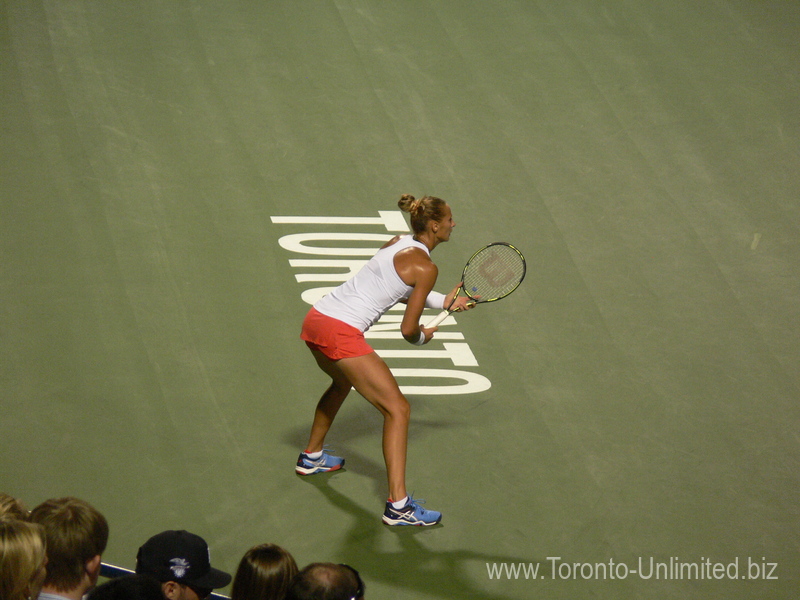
<point x="327" y="581"/>
<point x="265" y="573"/>
<point x="181" y="562"/>
<point x="23" y="558"/>
<point x="128" y="587"/>
<point x="76" y="535"/>
<point x="12" y="508"/>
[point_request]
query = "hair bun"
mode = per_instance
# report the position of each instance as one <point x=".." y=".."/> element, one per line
<point x="408" y="203"/>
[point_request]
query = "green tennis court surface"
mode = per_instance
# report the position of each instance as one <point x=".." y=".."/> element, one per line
<point x="179" y="179"/>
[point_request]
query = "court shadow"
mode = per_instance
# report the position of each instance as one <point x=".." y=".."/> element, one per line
<point x="356" y="426"/>
<point x="414" y="567"/>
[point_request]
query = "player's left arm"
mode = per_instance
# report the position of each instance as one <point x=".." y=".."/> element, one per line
<point x="425" y="274"/>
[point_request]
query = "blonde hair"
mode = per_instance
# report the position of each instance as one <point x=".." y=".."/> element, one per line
<point x="22" y="555"/>
<point x="12" y="508"/>
<point x="265" y="573"/>
<point x="423" y="210"/>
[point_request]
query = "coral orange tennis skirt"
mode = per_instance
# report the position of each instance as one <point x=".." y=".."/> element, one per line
<point x="334" y="338"/>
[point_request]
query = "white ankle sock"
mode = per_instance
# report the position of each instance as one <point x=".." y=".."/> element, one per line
<point x="400" y="503"/>
<point x="314" y="455"/>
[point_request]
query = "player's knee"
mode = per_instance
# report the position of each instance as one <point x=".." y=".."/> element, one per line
<point x="342" y="387"/>
<point x="400" y="409"/>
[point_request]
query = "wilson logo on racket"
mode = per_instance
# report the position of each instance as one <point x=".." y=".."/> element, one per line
<point x="496" y="273"/>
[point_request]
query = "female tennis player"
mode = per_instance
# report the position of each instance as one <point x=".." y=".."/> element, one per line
<point x="401" y="271"/>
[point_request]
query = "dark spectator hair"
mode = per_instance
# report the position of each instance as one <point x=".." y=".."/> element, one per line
<point x="265" y="573"/>
<point x="76" y="532"/>
<point x="128" y="587"/>
<point x="326" y="581"/>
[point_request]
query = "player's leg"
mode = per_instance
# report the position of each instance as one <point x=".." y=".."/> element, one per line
<point x="372" y="379"/>
<point x="330" y="402"/>
<point x="313" y="459"/>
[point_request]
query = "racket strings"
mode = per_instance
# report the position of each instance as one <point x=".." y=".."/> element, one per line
<point x="494" y="272"/>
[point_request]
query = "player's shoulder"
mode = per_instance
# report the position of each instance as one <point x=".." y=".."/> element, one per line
<point x="412" y="262"/>
<point x="413" y="253"/>
<point x="392" y="241"/>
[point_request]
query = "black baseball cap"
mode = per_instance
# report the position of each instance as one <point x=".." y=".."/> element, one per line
<point x="182" y="557"/>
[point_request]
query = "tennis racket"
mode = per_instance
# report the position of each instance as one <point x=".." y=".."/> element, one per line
<point x="492" y="273"/>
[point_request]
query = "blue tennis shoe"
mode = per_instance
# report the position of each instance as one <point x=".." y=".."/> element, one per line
<point x="323" y="464"/>
<point x="411" y="514"/>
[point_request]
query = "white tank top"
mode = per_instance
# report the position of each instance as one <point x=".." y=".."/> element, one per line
<point x="364" y="298"/>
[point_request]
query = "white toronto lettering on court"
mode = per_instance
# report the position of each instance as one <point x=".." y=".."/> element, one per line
<point x="323" y="256"/>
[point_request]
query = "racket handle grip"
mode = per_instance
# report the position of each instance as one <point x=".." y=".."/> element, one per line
<point x="437" y="319"/>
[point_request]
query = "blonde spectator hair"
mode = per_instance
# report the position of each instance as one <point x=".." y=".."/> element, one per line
<point x="12" y="508"/>
<point x="22" y="556"/>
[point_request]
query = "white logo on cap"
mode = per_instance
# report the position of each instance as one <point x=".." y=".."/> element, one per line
<point x="179" y="567"/>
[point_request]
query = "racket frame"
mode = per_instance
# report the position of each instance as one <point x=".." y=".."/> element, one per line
<point x="478" y="300"/>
